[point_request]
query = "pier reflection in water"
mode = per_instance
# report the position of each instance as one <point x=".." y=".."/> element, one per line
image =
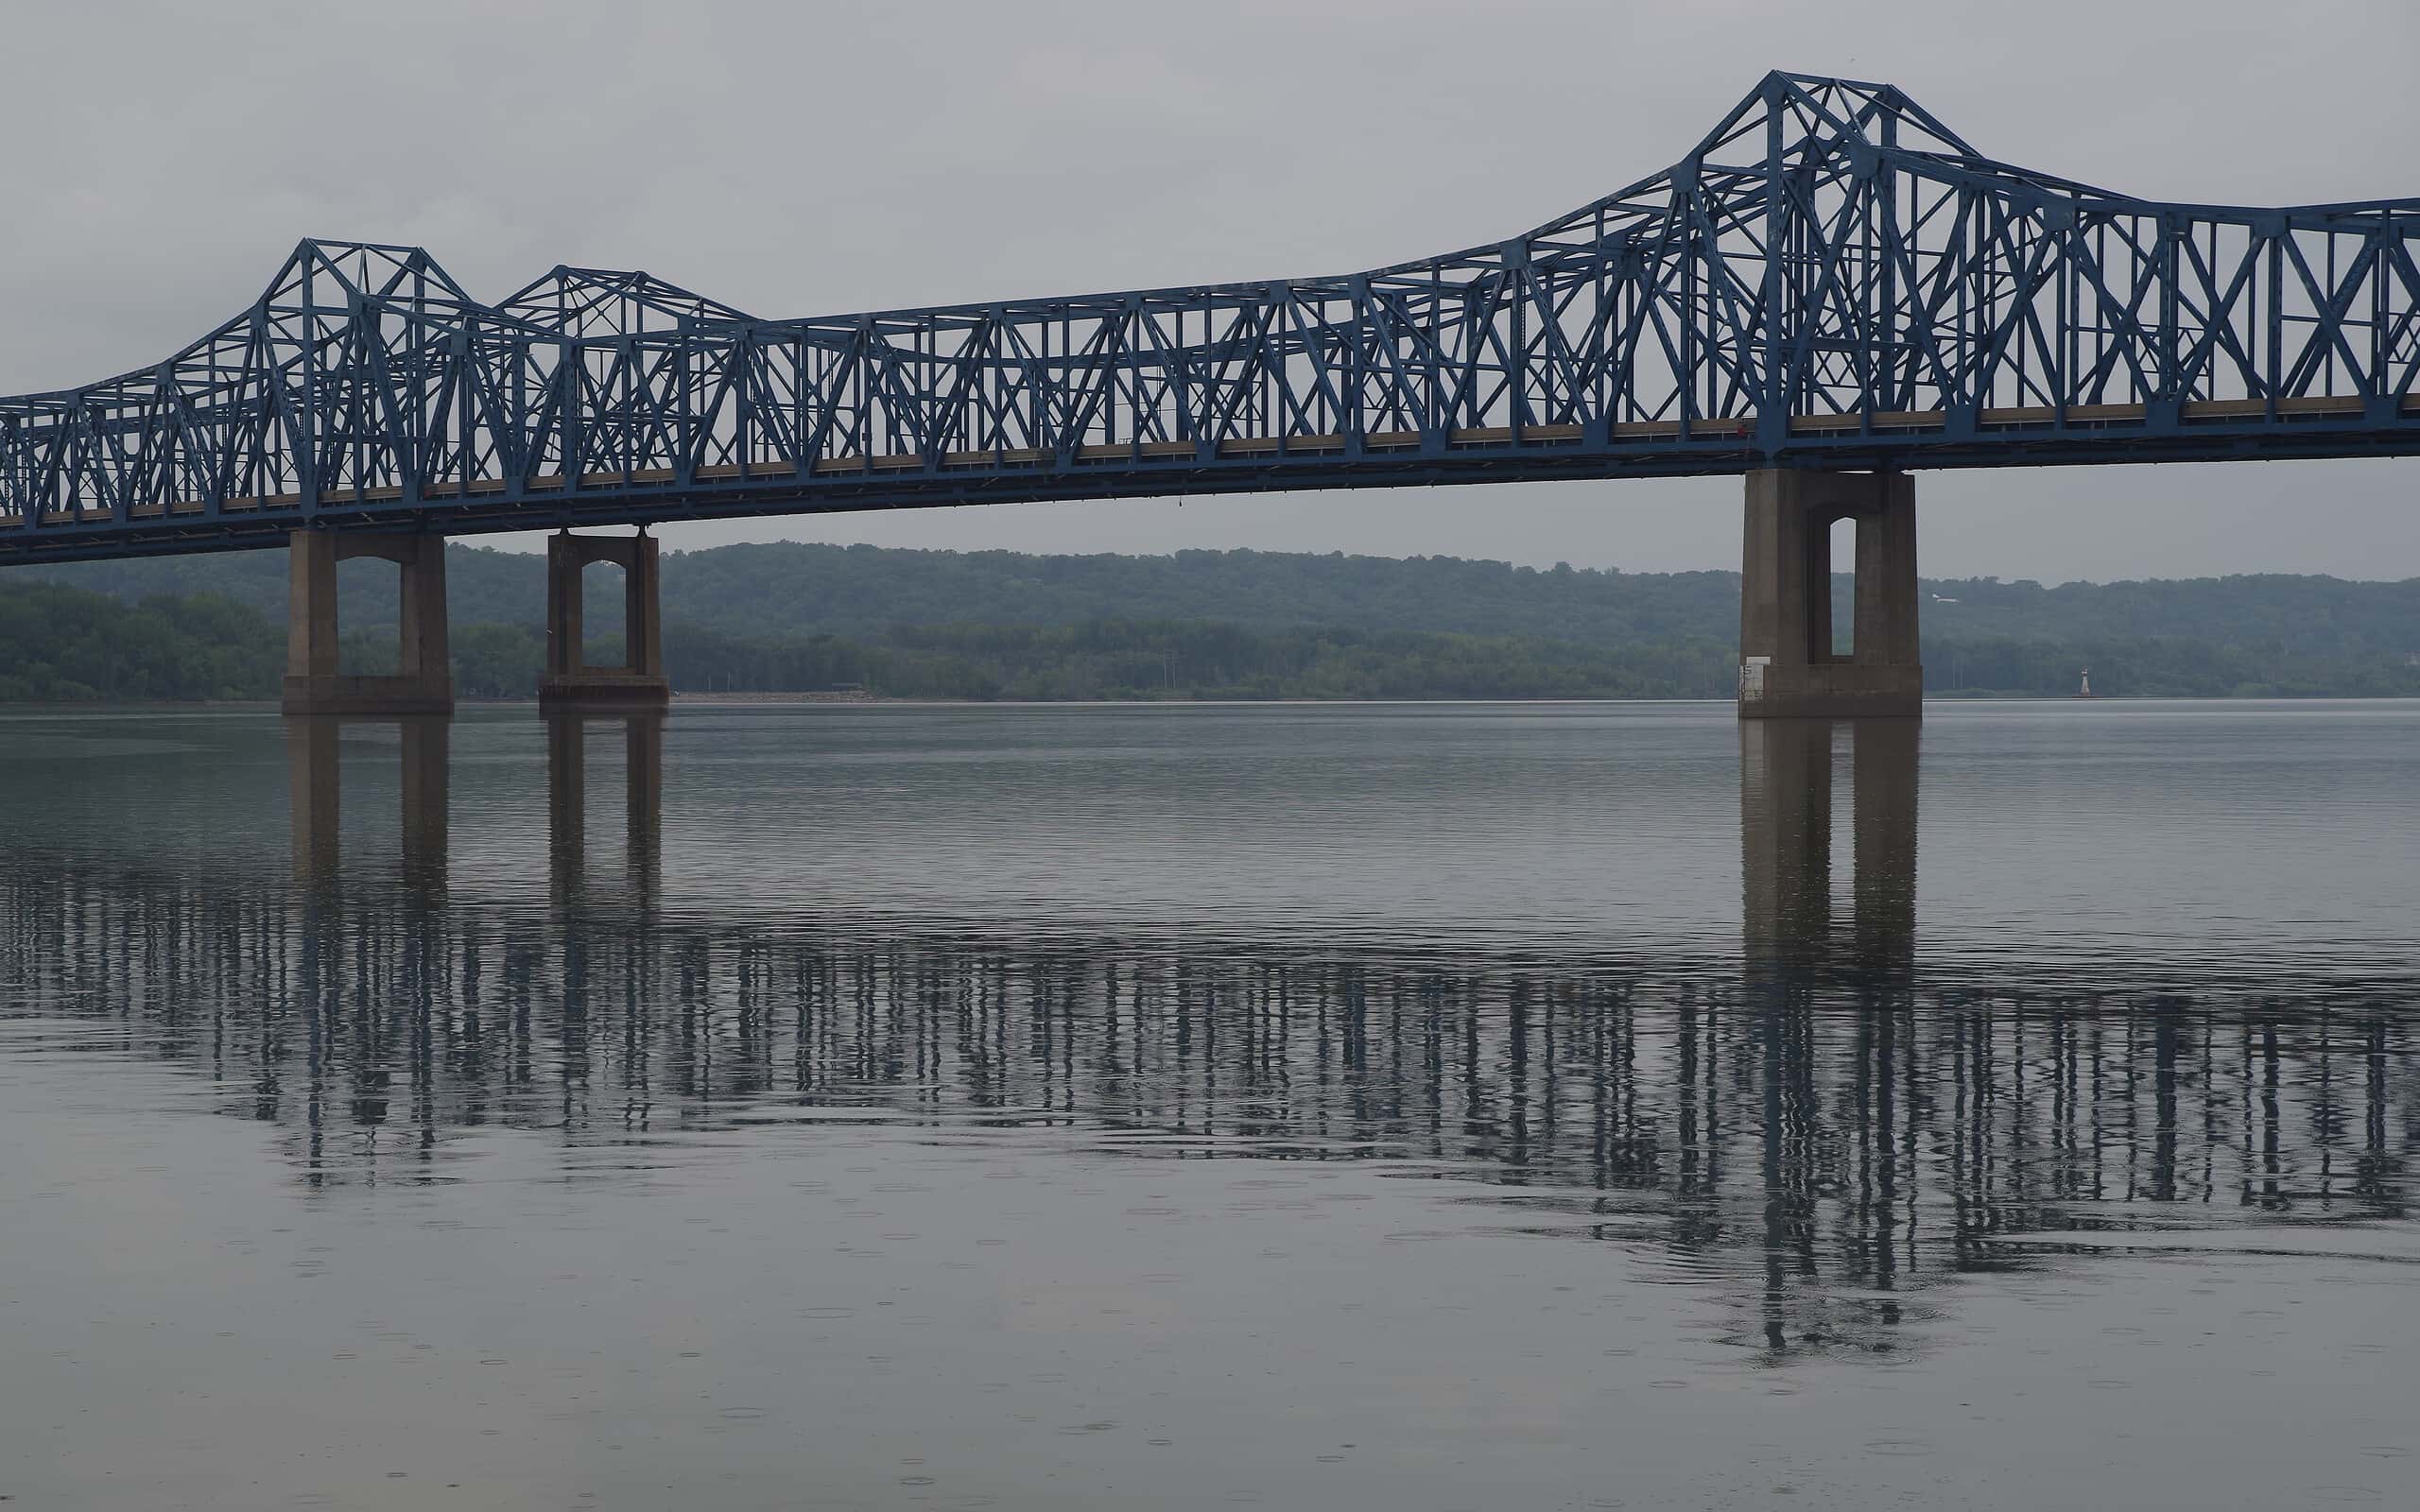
<point x="567" y="814"/>
<point x="316" y="786"/>
<point x="1813" y="1132"/>
<point x="315" y="776"/>
<point x="1786" y="848"/>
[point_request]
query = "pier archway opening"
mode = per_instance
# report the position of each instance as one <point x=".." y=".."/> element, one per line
<point x="604" y="589"/>
<point x="1840" y="566"/>
<point x="370" y="617"/>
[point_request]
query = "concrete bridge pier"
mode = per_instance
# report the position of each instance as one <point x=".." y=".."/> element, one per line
<point x="1788" y="668"/>
<point x="423" y="683"/>
<point x="639" y="681"/>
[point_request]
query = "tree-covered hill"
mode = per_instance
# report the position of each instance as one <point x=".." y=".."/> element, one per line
<point x="64" y="644"/>
<point x="1203" y="623"/>
<point x="790" y="587"/>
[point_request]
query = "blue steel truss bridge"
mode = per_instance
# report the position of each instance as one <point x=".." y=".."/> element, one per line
<point x="1831" y="290"/>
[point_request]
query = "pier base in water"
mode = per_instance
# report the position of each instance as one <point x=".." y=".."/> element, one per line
<point x="424" y="680"/>
<point x="639" y="681"/>
<point x="1788" y="668"/>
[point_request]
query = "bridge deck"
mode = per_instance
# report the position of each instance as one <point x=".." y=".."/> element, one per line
<point x="2328" y="425"/>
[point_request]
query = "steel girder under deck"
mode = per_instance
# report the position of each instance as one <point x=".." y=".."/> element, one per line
<point x="1830" y="279"/>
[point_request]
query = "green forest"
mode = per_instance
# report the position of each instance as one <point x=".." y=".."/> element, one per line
<point x="1195" y="625"/>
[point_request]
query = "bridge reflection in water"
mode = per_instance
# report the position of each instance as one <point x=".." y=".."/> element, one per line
<point x="1817" y="1130"/>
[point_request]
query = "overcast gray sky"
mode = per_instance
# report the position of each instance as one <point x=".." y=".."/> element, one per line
<point x="809" y="160"/>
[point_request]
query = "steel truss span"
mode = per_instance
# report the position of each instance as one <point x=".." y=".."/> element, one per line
<point x="1832" y="278"/>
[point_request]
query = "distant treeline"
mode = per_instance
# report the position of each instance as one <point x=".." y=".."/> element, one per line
<point x="64" y="644"/>
<point x="866" y="592"/>
<point x="1002" y="625"/>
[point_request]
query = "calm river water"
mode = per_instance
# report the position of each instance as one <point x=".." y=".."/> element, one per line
<point x="1512" y="1107"/>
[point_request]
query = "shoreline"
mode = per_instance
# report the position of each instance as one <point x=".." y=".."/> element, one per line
<point x="873" y="701"/>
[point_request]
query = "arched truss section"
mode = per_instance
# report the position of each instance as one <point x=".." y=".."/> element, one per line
<point x="1831" y="278"/>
